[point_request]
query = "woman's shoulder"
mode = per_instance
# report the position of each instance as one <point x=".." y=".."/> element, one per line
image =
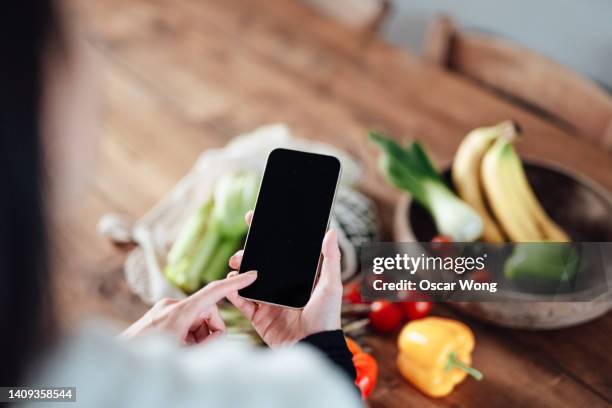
<point x="156" y="371"/>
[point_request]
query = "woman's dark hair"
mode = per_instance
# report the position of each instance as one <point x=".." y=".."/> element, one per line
<point x="27" y="28"/>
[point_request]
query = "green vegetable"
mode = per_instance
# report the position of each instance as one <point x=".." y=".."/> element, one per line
<point x="183" y="253"/>
<point x="213" y="234"/>
<point x="217" y="264"/>
<point x="542" y="267"/>
<point x="411" y="169"/>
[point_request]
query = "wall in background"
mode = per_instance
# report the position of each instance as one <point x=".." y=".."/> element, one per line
<point x="576" y="33"/>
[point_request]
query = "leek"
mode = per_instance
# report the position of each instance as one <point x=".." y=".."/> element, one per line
<point x="410" y="169"/>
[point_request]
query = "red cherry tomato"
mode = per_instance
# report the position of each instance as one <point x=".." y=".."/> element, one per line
<point x="411" y="296"/>
<point x="442" y="245"/>
<point x="481" y="276"/>
<point x="352" y="293"/>
<point x="416" y="310"/>
<point x="385" y="316"/>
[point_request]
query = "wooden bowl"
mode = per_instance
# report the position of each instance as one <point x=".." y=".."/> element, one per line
<point x="581" y="206"/>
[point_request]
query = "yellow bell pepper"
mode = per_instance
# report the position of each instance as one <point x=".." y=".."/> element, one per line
<point x="435" y="354"/>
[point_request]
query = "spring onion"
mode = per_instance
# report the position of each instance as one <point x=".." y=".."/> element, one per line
<point x="410" y="169"/>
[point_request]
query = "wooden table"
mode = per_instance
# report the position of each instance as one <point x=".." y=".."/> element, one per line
<point x="186" y="75"/>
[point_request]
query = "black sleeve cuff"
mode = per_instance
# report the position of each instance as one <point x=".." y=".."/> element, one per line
<point x="333" y="345"/>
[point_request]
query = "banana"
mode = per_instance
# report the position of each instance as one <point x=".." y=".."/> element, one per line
<point x="466" y="172"/>
<point x="500" y="181"/>
<point x="550" y="230"/>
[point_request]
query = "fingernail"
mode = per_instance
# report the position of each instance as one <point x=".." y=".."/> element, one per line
<point x="251" y="273"/>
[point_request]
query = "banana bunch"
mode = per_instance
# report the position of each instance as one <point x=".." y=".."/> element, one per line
<point x="488" y="174"/>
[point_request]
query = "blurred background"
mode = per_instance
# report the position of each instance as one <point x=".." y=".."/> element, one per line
<point x="184" y="79"/>
<point x="569" y="31"/>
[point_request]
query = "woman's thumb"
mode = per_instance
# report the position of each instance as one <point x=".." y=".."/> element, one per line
<point x="330" y="268"/>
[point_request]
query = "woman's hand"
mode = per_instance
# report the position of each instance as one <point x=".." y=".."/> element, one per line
<point x="279" y="325"/>
<point x="195" y="318"/>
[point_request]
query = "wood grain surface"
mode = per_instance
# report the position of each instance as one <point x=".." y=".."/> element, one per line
<point x="185" y="75"/>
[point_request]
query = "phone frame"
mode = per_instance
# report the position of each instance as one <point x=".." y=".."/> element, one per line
<point x="331" y="209"/>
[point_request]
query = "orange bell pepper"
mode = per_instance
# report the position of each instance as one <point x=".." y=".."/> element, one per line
<point x="435" y="354"/>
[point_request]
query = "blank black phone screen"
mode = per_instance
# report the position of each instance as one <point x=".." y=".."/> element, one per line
<point x="291" y="217"/>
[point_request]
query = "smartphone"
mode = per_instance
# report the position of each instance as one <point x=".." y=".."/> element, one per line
<point x="291" y="217"/>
